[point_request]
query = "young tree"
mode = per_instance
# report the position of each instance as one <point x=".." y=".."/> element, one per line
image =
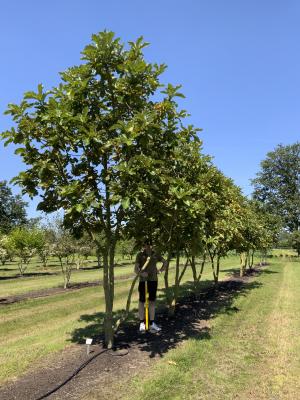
<point x="127" y="247"/>
<point x="93" y="145"/>
<point x="5" y="251"/>
<point x="23" y="242"/>
<point x="65" y="250"/>
<point x="44" y="247"/>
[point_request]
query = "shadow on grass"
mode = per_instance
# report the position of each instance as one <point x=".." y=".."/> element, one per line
<point x="8" y="269"/>
<point x="268" y="271"/>
<point x="191" y="318"/>
<point x="27" y="275"/>
<point x="231" y="271"/>
<point x="90" y="268"/>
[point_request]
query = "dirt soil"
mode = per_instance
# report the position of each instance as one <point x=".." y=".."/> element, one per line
<point x="71" y="374"/>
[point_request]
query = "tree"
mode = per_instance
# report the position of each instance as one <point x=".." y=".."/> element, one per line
<point x="65" y="250"/>
<point x="277" y="185"/>
<point x="5" y="251"/>
<point x="93" y="145"/>
<point x="127" y="247"/>
<point x="12" y="209"/>
<point x="44" y="244"/>
<point x="24" y="242"/>
<point x="294" y="241"/>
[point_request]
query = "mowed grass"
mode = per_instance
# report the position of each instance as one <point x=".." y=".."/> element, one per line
<point x="250" y="353"/>
<point x="32" y="329"/>
<point x="37" y="278"/>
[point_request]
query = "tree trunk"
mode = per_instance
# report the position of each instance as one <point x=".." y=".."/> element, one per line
<point x="176" y="285"/>
<point x="194" y="271"/>
<point x="252" y="259"/>
<point x="166" y="280"/>
<point x="241" y="264"/>
<point x="108" y="319"/>
<point x="212" y="257"/>
<point x="202" y="267"/>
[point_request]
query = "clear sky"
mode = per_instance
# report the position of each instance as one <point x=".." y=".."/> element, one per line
<point x="238" y="62"/>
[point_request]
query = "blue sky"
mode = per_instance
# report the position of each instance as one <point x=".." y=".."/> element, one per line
<point x="238" y="62"/>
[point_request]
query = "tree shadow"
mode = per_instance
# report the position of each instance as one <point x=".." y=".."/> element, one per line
<point x="231" y="271"/>
<point x="192" y="318"/>
<point x="268" y="271"/>
<point x="27" y="275"/>
<point x="8" y="269"/>
<point x="90" y="268"/>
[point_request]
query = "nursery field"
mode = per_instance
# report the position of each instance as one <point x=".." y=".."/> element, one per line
<point x="243" y="342"/>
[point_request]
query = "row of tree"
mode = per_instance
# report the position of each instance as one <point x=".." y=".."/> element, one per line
<point x="110" y="148"/>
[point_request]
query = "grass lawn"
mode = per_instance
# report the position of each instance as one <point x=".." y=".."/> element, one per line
<point x="252" y="353"/>
<point x="38" y="278"/>
<point x="34" y="328"/>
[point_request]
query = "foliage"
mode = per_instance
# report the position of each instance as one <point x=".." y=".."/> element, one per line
<point x="277" y="185"/>
<point x="24" y="242"/>
<point x="93" y="144"/>
<point x="5" y="251"/>
<point x="294" y="241"/>
<point x="12" y="209"/>
<point x="127" y="248"/>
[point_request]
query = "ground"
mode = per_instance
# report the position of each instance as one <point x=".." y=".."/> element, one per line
<point x="240" y="342"/>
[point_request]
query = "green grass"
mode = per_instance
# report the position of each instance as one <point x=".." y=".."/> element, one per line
<point x="253" y="353"/>
<point x="35" y="328"/>
<point x="39" y="278"/>
<point x="284" y="252"/>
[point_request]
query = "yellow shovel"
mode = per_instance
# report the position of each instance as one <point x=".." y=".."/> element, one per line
<point x="146" y="306"/>
<point x="146" y="296"/>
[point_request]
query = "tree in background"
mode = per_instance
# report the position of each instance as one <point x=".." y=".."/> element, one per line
<point x="294" y="241"/>
<point x="23" y="242"/>
<point x="277" y="185"/>
<point x="127" y="247"/>
<point x="64" y="248"/>
<point x="84" y="248"/>
<point x="44" y="245"/>
<point x="5" y="250"/>
<point x="12" y="209"/>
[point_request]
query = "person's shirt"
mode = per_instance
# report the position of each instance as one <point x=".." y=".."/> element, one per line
<point x="151" y="268"/>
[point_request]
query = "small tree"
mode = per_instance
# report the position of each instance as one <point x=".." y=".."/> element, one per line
<point x="83" y="248"/>
<point x="127" y="248"/>
<point x="64" y="250"/>
<point x="5" y="251"/>
<point x="23" y="242"/>
<point x="44" y="246"/>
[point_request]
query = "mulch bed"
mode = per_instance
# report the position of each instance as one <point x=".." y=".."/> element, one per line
<point x="72" y="373"/>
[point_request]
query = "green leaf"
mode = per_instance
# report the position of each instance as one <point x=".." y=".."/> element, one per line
<point x="125" y="203"/>
<point x="79" y="207"/>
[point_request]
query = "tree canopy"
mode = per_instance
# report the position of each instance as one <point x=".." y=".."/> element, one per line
<point x="12" y="209"/>
<point x="277" y="184"/>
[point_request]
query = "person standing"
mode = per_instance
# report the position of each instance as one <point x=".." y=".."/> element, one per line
<point x="148" y="274"/>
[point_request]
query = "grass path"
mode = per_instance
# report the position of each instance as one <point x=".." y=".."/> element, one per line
<point x="253" y="351"/>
